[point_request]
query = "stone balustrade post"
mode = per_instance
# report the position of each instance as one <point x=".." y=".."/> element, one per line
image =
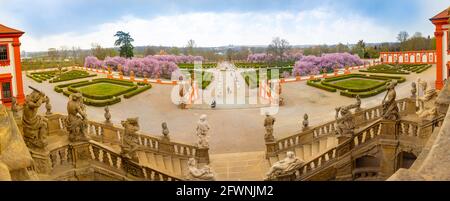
<point x="271" y="148"/>
<point x="53" y="125"/>
<point x="388" y="147"/>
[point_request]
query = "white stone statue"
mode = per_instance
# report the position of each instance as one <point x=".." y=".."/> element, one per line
<point x="289" y="163"/>
<point x="199" y="174"/>
<point x="202" y="132"/>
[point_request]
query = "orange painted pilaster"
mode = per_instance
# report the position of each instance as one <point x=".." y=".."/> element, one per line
<point x="439" y="63"/>
<point x="18" y="65"/>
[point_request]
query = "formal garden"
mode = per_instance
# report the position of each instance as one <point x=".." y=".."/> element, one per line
<point x="353" y="85"/>
<point x="102" y="91"/>
<point x="54" y="76"/>
<point x="404" y="69"/>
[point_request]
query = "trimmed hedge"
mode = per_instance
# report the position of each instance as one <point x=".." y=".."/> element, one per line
<point x="319" y="85"/>
<point x="363" y="93"/>
<point x="101" y="101"/>
<point x="72" y="75"/>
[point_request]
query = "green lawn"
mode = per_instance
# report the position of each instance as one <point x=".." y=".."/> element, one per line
<point x="103" y="89"/>
<point x="357" y="83"/>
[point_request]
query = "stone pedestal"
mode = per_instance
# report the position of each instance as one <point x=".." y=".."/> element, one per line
<point x="53" y="125"/>
<point x="110" y="134"/>
<point x="410" y="106"/>
<point x="271" y="149"/>
<point x="165" y="146"/>
<point x="81" y="154"/>
<point x="42" y="163"/>
<point x="203" y="155"/>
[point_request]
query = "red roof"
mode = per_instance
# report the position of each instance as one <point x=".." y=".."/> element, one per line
<point x="7" y="30"/>
<point x="442" y="15"/>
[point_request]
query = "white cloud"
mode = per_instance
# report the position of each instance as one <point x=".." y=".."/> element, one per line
<point x="317" y="26"/>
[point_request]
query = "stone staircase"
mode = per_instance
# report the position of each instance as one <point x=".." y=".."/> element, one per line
<point x="307" y="152"/>
<point x="166" y="163"/>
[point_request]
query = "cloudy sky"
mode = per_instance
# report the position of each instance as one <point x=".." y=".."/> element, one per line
<point x="56" y="23"/>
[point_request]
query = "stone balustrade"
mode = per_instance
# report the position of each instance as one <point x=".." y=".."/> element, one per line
<point x="92" y="154"/>
<point x="319" y="132"/>
<point x="362" y="137"/>
<point x="110" y="134"/>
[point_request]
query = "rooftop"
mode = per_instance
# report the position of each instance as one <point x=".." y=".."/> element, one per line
<point x="445" y="14"/>
<point x="7" y="30"/>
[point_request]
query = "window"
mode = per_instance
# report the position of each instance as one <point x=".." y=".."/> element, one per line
<point x="3" y="52"/>
<point x="6" y="90"/>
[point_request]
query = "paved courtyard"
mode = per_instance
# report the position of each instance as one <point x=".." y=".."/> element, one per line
<point x="232" y="130"/>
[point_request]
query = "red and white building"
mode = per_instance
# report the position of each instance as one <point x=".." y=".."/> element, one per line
<point x="409" y="57"/>
<point x="441" y="21"/>
<point x="11" y="84"/>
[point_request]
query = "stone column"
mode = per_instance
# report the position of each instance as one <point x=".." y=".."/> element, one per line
<point x="388" y="146"/>
<point x="439" y="63"/>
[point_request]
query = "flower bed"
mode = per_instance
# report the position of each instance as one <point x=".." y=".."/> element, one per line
<point x="400" y="69"/>
<point x="43" y="76"/>
<point x="71" y="75"/>
<point x="355" y="84"/>
<point x="102" y="92"/>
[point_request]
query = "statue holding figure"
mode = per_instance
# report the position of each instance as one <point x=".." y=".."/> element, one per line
<point x="34" y="126"/>
<point x="283" y="166"/>
<point x="390" y="108"/>
<point x="202" y="132"/>
<point x="345" y="125"/>
<point x="199" y="174"/>
<point x="130" y="139"/>
<point x="76" y="121"/>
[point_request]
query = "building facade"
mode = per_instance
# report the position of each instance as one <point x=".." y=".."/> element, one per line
<point x="11" y="84"/>
<point x="441" y="22"/>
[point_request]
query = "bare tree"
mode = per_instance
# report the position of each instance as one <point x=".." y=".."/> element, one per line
<point x="278" y="47"/>
<point x="190" y="47"/>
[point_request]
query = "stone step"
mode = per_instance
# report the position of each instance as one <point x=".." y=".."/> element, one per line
<point x="160" y="162"/>
<point x="299" y="153"/>
<point x="151" y="159"/>
<point x="331" y="142"/>
<point x="323" y="145"/>
<point x="176" y="166"/>
<point x="315" y="149"/>
<point x="184" y="167"/>
<point x="306" y="152"/>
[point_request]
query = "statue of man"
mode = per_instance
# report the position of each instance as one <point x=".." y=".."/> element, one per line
<point x="390" y="108"/>
<point x="76" y="122"/>
<point x="268" y="124"/>
<point x="285" y="165"/>
<point x="345" y="124"/>
<point x="199" y="174"/>
<point x="130" y="139"/>
<point x="34" y="126"/>
<point x="202" y="132"/>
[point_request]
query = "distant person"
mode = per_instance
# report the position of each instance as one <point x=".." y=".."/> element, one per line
<point x="213" y="104"/>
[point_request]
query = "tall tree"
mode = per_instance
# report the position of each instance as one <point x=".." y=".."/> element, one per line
<point x="402" y="37"/>
<point x="124" y="41"/>
<point x="360" y="49"/>
<point x="190" y="47"/>
<point x="278" y="47"/>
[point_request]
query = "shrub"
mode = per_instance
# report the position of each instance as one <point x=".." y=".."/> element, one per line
<point x="136" y="92"/>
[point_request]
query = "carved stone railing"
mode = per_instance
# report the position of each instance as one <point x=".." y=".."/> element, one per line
<point x="110" y="134"/>
<point x="319" y="132"/>
<point x="90" y="154"/>
<point x="361" y="138"/>
<point x="365" y="173"/>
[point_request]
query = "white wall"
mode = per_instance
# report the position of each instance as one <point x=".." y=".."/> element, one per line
<point x="11" y="68"/>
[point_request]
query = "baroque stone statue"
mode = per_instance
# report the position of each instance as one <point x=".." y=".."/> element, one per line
<point x="390" y="108"/>
<point x="202" y="132"/>
<point x="165" y="131"/>
<point x="305" y="122"/>
<point x="345" y="125"/>
<point x="107" y="115"/>
<point x="130" y="140"/>
<point x="268" y="125"/>
<point x="199" y="174"/>
<point x="76" y="121"/>
<point x="48" y="107"/>
<point x="283" y="166"/>
<point x="34" y="126"/>
<point x="413" y="90"/>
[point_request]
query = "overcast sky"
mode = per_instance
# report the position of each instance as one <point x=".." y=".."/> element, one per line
<point x="56" y="23"/>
